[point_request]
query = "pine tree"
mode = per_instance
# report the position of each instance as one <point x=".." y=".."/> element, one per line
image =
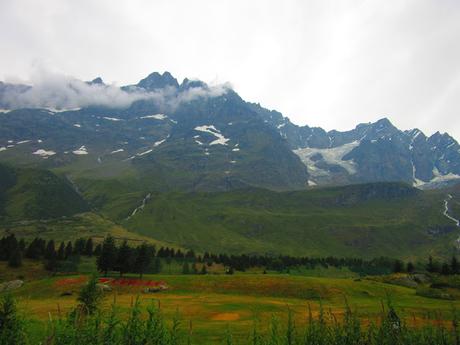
<point x="185" y="268"/>
<point x="107" y="260"/>
<point x="33" y="250"/>
<point x="97" y="250"/>
<point x="204" y="270"/>
<point x="89" y="247"/>
<point x="431" y="267"/>
<point x="157" y="265"/>
<point x="143" y="259"/>
<point x="79" y="247"/>
<point x="454" y="265"/>
<point x="398" y="266"/>
<point x="15" y="259"/>
<point x="410" y="267"/>
<point x="124" y="259"/>
<point x="22" y="245"/>
<point x="445" y="269"/>
<point x="10" y="245"/>
<point x="90" y="297"/>
<point x="68" y="250"/>
<point x="50" y="252"/>
<point x="61" y="251"/>
<point x="190" y="254"/>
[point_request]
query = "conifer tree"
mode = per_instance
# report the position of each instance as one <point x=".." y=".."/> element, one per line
<point x="143" y="259"/>
<point x="454" y="265"/>
<point x="50" y="252"/>
<point x="97" y="250"/>
<point x="157" y="265"/>
<point x="89" y="247"/>
<point x="204" y="270"/>
<point x="61" y="251"/>
<point x="124" y="259"/>
<point x="79" y="247"/>
<point x="68" y="250"/>
<point x="15" y="259"/>
<point x="185" y="268"/>
<point x="107" y="260"/>
<point x="410" y="267"/>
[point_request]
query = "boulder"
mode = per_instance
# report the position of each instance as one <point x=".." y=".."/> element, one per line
<point x="154" y="289"/>
<point x="11" y="285"/>
<point x="104" y="287"/>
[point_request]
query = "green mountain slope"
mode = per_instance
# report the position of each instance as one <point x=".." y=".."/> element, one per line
<point x="36" y="194"/>
<point x="370" y="220"/>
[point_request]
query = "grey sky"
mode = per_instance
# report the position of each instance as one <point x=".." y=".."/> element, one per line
<point x="323" y="63"/>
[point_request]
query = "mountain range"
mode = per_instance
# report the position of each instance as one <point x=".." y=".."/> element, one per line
<point x="196" y="166"/>
<point x="191" y="136"/>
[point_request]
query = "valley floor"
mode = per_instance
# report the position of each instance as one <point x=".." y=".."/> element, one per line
<point x="211" y="304"/>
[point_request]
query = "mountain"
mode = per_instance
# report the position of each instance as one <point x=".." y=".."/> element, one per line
<point x="27" y="194"/>
<point x="370" y="152"/>
<point x="193" y="137"/>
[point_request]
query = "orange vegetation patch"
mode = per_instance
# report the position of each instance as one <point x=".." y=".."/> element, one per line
<point x="132" y="282"/>
<point x="68" y="282"/>
<point x="226" y="317"/>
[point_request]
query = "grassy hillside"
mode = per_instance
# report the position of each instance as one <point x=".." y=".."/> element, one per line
<point x="81" y="225"/>
<point x="36" y="194"/>
<point x="369" y="220"/>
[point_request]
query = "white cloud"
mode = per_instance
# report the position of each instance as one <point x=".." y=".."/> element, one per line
<point x="59" y="91"/>
<point x="320" y="62"/>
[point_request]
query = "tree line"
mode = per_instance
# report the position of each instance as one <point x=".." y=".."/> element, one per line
<point x="13" y="251"/>
<point x="144" y="258"/>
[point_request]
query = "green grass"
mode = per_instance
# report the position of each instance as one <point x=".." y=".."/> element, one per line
<point x="298" y="223"/>
<point x="37" y="194"/>
<point x="215" y="302"/>
<point x="82" y="225"/>
<point x="370" y="220"/>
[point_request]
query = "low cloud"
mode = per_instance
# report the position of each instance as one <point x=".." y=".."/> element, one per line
<point x="53" y="90"/>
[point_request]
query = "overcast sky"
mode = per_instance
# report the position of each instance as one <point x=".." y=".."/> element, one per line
<point x="323" y="63"/>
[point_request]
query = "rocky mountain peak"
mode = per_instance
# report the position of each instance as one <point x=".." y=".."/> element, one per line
<point x="156" y="80"/>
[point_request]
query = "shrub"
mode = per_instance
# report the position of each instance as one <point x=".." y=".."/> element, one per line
<point x="11" y="324"/>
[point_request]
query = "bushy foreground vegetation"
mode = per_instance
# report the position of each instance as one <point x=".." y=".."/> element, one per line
<point x="89" y="324"/>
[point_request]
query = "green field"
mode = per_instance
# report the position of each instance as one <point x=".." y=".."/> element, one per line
<point x="215" y="302"/>
<point x="333" y="221"/>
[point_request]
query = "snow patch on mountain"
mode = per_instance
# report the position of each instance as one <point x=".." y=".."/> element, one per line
<point x="221" y="140"/>
<point x="77" y="125"/>
<point x="116" y="151"/>
<point x="155" y="116"/>
<point x="3" y="148"/>
<point x="81" y="151"/>
<point x="61" y="110"/>
<point x="333" y="156"/>
<point x="438" y="177"/>
<point x="112" y="119"/>
<point x="145" y="152"/>
<point x="44" y="153"/>
<point x="416" y="182"/>
<point x="158" y="143"/>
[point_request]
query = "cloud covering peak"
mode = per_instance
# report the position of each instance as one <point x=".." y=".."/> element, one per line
<point x="54" y="90"/>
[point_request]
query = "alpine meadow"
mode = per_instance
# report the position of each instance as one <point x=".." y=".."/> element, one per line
<point x="155" y="207"/>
